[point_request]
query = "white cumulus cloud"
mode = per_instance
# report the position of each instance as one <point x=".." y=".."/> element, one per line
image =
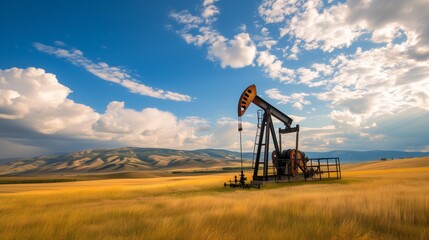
<point x="37" y="100"/>
<point x="378" y="81"/>
<point x="275" y="11"/>
<point x="325" y="29"/>
<point x="274" y="67"/>
<point x="145" y="128"/>
<point x="238" y="52"/>
<point x="296" y="99"/>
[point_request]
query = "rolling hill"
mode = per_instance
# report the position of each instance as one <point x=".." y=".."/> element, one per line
<point x="132" y="159"/>
<point x="122" y="160"/>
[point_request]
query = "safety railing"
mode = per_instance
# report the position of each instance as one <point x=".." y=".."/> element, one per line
<point x="325" y="167"/>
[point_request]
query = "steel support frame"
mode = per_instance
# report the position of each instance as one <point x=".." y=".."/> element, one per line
<point x="266" y="133"/>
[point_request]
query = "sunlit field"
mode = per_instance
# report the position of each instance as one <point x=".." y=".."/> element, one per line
<point x="384" y="200"/>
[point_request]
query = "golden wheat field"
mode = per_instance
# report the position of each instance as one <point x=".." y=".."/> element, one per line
<point x="380" y="200"/>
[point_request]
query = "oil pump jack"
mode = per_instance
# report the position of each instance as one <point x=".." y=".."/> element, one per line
<point x="285" y="164"/>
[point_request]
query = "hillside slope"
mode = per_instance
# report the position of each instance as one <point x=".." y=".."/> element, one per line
<point x="347" y="156"/>
<point x="387" y="165"/>
<point x="131" y="159"/>
<point x="122" y="160"/>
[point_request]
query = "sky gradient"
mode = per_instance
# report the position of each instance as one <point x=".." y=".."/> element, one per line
<point x="77" y="75"/>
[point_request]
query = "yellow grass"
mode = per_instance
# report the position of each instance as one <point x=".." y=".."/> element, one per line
<point x="368" y="203"/>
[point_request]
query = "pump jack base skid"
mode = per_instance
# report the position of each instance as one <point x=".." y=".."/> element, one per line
<point x="248" y="186"/>
<point x="283" y="179"/>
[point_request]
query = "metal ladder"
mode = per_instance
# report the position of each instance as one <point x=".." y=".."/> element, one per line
<point x="273" y="169"/>
<point x="258" y="130"/>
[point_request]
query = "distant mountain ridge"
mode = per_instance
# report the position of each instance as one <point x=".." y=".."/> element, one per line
<point x="129" y="159"/>
<point x="121" y="160"/>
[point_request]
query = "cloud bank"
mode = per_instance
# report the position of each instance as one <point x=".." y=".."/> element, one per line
<point x="369" y="65"/>
<point x="35" y="111"/>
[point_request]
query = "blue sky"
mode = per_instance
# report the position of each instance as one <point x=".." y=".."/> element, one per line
<point x="77" y="75"/>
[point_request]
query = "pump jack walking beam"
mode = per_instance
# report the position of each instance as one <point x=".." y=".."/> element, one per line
<point x="249" y="95"/>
